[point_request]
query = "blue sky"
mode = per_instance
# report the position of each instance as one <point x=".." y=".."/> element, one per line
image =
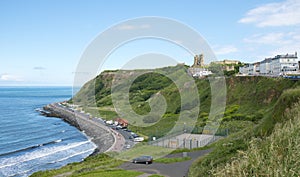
<point x="41" y="42"/>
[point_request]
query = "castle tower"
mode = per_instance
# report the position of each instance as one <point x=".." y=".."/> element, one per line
<point x="198" y="61"/>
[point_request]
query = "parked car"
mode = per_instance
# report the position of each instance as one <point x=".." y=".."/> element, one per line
<point x="138" y="139"/>
<point x="143" y="159"/>
<point x="109" y="122"/>
<point x="134" y="135"/>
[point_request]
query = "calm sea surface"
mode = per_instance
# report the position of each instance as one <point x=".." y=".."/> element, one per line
<point x="30" y="142"/>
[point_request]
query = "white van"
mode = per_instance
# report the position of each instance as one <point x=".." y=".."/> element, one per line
<point x="138" y="139"/>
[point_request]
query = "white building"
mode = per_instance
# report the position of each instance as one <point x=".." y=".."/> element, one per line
<point x="254" y="69"/>
<point x="284" y="64"/>
<point x="199" y="72"/>
<point x="265" y="67"/>
<point x="244" y="70"/>
<point x="279" y="65"/>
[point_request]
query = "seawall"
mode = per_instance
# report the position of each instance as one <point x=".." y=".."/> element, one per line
<point x="98" y="133"/>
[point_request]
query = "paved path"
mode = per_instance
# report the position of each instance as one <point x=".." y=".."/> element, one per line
<point x="118" y="143"/>
<point x="178" y="169"/>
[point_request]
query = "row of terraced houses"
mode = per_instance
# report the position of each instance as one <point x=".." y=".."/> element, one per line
<point x="279" y="65"/>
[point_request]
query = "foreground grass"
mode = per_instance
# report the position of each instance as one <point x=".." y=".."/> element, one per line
<point x="113" y="173"/>
<point x="277" y="155"/>
<point x="263" y="145"/>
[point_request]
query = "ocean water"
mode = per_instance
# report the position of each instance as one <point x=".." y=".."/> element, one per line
<point x="30" y="142"/>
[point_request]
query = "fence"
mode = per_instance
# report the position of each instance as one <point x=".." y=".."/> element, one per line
<point x="188" y="141"/>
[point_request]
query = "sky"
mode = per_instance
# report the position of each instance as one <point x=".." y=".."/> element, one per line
<point x="42" y="42"/>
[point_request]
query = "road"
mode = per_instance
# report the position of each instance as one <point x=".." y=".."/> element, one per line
<point x="104" y="137"/>
<point x="178" y="169"/>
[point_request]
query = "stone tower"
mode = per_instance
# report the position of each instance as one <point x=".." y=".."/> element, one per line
<point x="198" y="61"/>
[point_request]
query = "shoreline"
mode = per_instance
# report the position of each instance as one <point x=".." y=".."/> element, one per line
<point x="103" y="137"/>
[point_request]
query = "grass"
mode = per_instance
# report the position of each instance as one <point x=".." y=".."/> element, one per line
<point x="113" y="173"/>
<point x="276" y="155"/>
<point x="227" y="150"/>
<point x="143" y="149"/>
<point x="100" y="163"/>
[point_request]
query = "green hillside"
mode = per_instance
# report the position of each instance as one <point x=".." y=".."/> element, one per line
<point x="276" y="155"/>
<point x="248" y="99"/>
<point x="234" y="155"/>
<point x="254" y="108"/>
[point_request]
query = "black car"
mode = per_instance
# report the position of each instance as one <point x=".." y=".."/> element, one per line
<point x="143" y="159"/>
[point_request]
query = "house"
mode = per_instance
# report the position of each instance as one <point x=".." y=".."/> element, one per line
<point x="254" y="69"/>
<point x="199" y="72"/>
<point x="265" y="67"/>
<point x="284" y="64"/>
<point x="244" y="70"/>
<point x="277" y="66"/>
<point x="122" y="122"/>
<point x="227" y="65"/>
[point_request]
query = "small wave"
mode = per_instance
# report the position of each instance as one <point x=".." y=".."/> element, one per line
<point x="73" y="155"/>
<point x="57" y="141"/>
<point x="13" y="143"/>
<point x="31" y="147"/>
<point x="39" y="154"/>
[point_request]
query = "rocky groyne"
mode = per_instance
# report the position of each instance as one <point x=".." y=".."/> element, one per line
<point x="98" y="133"/>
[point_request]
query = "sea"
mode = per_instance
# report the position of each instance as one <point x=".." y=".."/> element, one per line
<point x="30" y="142"/>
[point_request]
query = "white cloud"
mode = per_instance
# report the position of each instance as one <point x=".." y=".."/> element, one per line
<point x="290" y="48"/>
<point x="272" y="44"/>
<point x="222" y="50"/>
<point x="270" y="38"/>
<point x="133" y="27"/>
<point x="286" y="13"/>
<point x="9" y="77"/>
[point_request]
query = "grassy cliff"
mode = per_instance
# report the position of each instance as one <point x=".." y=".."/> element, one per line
<point x="254" y="108"/>
<point x="248" y="99"/>
<point x="258" y="150"/>
<point x="275" y="155"/>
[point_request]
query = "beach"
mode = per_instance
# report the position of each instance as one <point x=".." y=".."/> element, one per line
<point x="105" y="138"/>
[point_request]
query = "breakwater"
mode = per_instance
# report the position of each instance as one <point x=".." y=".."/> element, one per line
<point x="97" y="132"/>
